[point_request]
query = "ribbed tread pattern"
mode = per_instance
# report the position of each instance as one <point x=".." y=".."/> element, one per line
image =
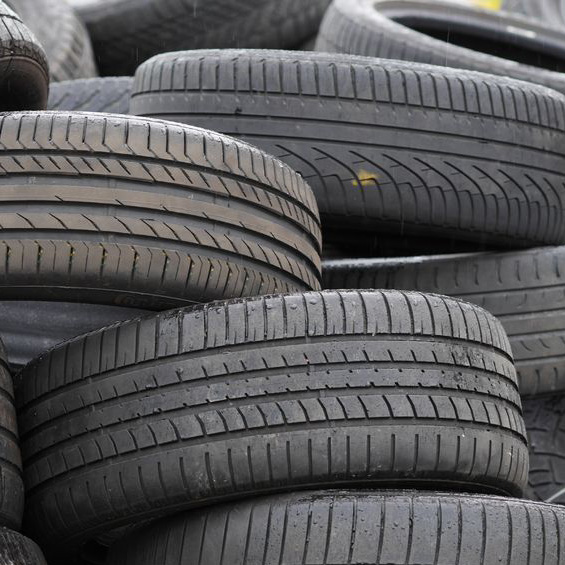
<point x="387" y="146"/>
<point x="362" y="27"/>
<point x="108" y="94"/>
<point x="126" y="34"/>
<point x="354" y="528"/>
<point x="139" y="212"/>
<point x="11" y="476"/>
<point x="164" y="413"/>
<point x="23" y="65"/>
<point x="16" y="549"/>
<point x="525" y="290"/>
<point x="545" y="421"/>
<point x="63" y="36"/>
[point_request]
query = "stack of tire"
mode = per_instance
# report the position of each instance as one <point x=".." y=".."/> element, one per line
<point x="267" y="421"/>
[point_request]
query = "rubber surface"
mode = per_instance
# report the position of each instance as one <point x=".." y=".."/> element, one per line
<point x="24" y="75"/>
<point x="550" y="11"/>
<point x="525" y="290"/>
<point x="388" y="147"/>
<point x="297" y="391"/>
<point x="30" y="328"/>
<point x="62" y="35"/>
<point x="355" y="528"/>
<point x="546" y="432"/>
<point x="454" y="37"/>
<point x="16" y="549"/>
<point x="101" y="208"/>
<point x="109" y="95"/>
<point x="127" y="33"/>
<point x="11" y="479"/>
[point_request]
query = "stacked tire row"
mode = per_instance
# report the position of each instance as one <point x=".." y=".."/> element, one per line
<point x="267" y="421"/>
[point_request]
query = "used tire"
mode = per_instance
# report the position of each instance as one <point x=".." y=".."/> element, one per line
<point x="11" y="479"/>
<point x="545" y="421"/>
<point x="550" y="11"/>
<point x="387" y="146"/>
<point x="125" y="33"/>
<point x="62" y="35"/>
<point x="231" y="399"/>
<point x="354" y="528"/>
<point x="447" y="34"/>
<point x="24" y="75"/>
<point x="16" y="549"/>
<point x="525" y="290"/>
<point x="110" y="95"/>
<point x="101" y="208"/>
<point x="30" y="328"/>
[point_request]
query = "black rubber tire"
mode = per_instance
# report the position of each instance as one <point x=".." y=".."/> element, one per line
<point x="271" y="393"/>
<point x="354" y="528"/>
<point x="11" y="476"/>
<point x="16" y="549"/>
<point x="387" y="146"/>
<point x="454" y="36"/>
<point x="109" y="95"/>
<point x="24" y="75"/>
<point x="545" y="421"/>
<point x="525" y="290"/>
<point x="126" y="33"/>
<point x="101" y="208"/>
<point x="61" y="34"/>
<point x="29" y="329"/>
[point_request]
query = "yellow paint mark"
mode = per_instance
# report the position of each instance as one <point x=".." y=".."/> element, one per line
<point x="488" y="4"/>
<point x="366" y="178"/>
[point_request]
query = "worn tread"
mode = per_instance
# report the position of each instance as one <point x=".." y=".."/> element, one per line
<point x="143" y="213"/>
<point x="525" y="290"/>
<point x="155" y="415"/>
<point x="354" y="528"/>
<point x="387" y="146"/>
<point x="16" y="549"/>
<point x="368" y="27"/>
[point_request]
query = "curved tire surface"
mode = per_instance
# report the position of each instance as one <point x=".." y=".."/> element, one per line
<point x="262" y="394"/>
<point x="388" y="147"/>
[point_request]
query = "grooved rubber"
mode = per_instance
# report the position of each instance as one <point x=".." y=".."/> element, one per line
<point x="153" y="416"/>
<point x="391" y="147"/>
<point x="354" y="528"/>
<point x="11" y="477"/>
<point x="109" y="95"/>
<point x="102" y="208"/>
<point x="545" y="423"/>
<point x="24" y="75"/>
<point x="16" y="549"/>
<point x="525" y="290"/>
<point x="30" y="328"/>
<point x="127" y="33"/>
<point x="62" y="35"/>
<point x="368" y="27"/>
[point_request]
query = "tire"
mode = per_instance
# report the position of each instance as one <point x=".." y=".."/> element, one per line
<point x="384" y="145"/>
<point x="270" y="393"/>
<point x="525" y="290"/>
<point x="109" y="95"/>
<point x="62" y="35"/>
<point x="450" y="35"/>
<point x="546" y="432"/>
<point x="147" y="214"/>
<point x="16" y="549"/>
<point x="354" y="528"/>
<point x="11" y="475"/>
<point x="24" y="76"/>
<point x="30" y="328"/>
<point x="125" y="34"/>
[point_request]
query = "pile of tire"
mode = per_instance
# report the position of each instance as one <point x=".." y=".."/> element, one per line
<point x="188" y="376"/>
